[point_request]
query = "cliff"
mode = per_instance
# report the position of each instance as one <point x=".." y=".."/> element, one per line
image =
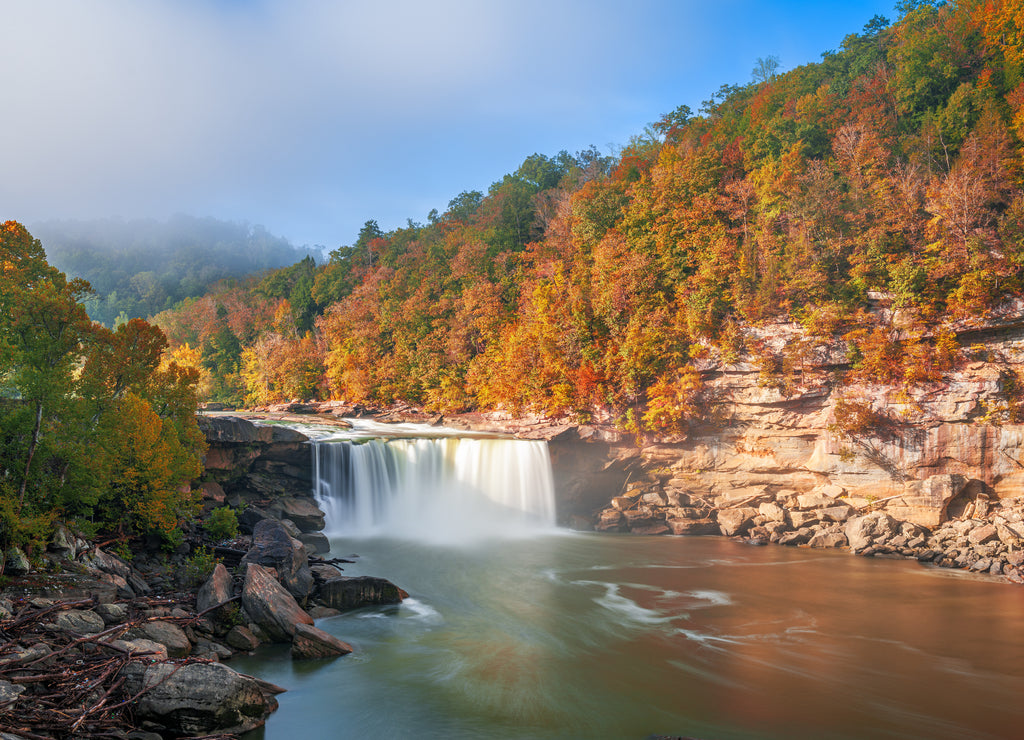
<point x="266" y="471"/>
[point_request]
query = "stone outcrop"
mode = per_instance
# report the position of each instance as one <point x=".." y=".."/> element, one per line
<point x="265" y="470"/>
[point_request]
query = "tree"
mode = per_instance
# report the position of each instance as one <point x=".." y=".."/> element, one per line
<point x="765" y="69"/>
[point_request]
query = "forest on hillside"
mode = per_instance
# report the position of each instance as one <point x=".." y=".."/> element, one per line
<point x="137" y="268"/>
<point x="890" y="170"/>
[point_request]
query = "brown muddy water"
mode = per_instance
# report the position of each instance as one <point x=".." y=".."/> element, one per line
<point x="565" y="635"/>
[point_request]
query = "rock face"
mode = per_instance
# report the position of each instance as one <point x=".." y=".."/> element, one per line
<point x="198" y="698"/>
<point x="268" y="469"/>
<point x="934" y="474"/>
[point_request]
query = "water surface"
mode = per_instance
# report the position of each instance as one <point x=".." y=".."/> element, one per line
<point x="596" y="636"/>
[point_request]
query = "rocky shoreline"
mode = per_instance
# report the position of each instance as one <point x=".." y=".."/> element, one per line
<point x="977" y="534"/>
<point x="98" y="646"/>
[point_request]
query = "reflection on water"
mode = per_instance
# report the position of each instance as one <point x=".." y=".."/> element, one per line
<point x="584" y="636"/>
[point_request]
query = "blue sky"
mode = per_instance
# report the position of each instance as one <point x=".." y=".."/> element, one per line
<point x="311" y="116"/>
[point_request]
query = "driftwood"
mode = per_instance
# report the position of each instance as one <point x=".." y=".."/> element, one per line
<point x="76" y="690"/>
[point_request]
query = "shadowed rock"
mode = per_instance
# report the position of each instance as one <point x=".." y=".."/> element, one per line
<point x="274" y="548"/>
<point x="312" y="643"/>
<point x="351" y="592"/>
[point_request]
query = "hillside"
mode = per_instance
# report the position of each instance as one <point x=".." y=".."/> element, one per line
<point x="873" y="197"/>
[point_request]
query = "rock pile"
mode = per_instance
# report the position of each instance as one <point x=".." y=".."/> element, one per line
<point x="974" y="532"/>
<point x="120" y="658"/>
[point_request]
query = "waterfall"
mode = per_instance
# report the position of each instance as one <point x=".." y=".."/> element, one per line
<point x="443" y="489"/>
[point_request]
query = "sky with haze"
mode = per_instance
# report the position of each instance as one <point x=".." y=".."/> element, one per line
<point x="311" y="116"/>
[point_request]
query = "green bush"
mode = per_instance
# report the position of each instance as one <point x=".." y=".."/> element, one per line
<point x="198" y="567"/>
<point x="221" y="524"/>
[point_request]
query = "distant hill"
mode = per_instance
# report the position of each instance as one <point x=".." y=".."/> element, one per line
<point x="141" y="267"/>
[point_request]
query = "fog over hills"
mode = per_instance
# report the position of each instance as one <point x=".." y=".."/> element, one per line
<point x="143" y="266"/>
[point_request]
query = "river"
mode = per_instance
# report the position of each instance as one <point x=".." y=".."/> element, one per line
<point x="568" y="635"/>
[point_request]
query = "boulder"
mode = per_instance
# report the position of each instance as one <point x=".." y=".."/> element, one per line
<point x="736" y="521"/>
<point x="798" y="519"/>
<point x="643" y="516"/>
<point x="315" y="542"/>
<point x="241" y="638"/>
<point x="9" y="693"/>
<point x="322" y="612"/>
<point x="611" y="520"/>
<point x="302" y="511"/>
<point x="216" y="590"/>
<point x="312" y="642"/>
<point x="814" y="500"/>
<point x="80" y="621"/>
<point x="838" y="513"/>
<point x="63" y="542"/>
<point x="16" y="564"/>
<point x="346" y="592"/>
<point x="828" y="538"/>
<point x="270" y="606"/>
<point x="983" y="534"/>
<point x="249" y="517"/>
<point x="112" y="613"/>
<point x="772" y="512"/>
<point x="873" y="528"/>
<point x="197" y="698"/>
<point x="274" y="548"/>
<point x="693" y="526"/>
<point x="925" y="501"/>
<point x="800" y="537"/>
<point x="142" y="646"/>
<point x="167" y="634"/>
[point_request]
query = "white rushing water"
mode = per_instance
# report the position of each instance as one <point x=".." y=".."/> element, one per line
<point x="430" y="485"/>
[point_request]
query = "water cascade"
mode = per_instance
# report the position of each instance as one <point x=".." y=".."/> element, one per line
<point x="443" y="489"/>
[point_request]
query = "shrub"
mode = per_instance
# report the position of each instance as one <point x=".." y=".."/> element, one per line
<point x="221" y="524"/>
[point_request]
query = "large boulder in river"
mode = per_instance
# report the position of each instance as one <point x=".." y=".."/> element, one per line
<point x="197" y="698"/>
<point x="270" y="606"/>
<point x="273" y="547"/>
<point x="312" y="643"/>
<point x="347" y="592"/>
